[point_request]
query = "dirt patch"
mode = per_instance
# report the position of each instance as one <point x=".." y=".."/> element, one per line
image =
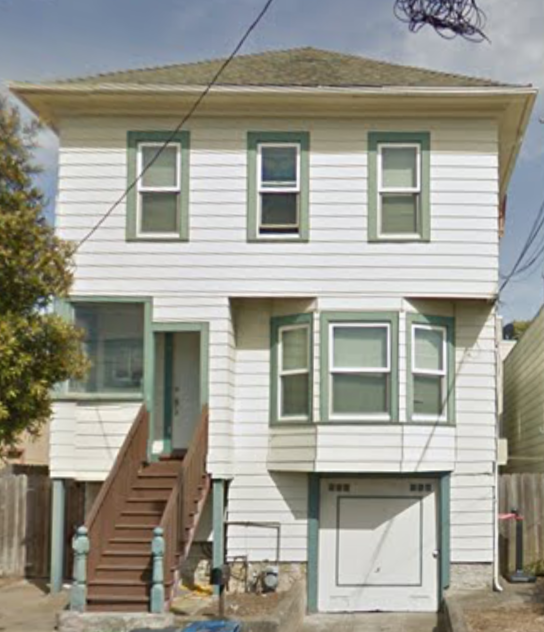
<point x="238" y="605"/>
<point x="526" y="618"/>
<point x="245" y="605"/>
<point x="519" y="608"/>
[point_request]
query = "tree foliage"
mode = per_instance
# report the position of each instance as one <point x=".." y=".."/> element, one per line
<point x="515" y="329"/>
<point x="37" y="348"/>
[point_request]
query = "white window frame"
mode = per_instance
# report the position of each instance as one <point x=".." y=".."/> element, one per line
<point x="399" y="191"/>
<point x="140" y="188"/>
<point x="284" y="373"/>
<point x="357" y="370"/>
<point x="443" y="372"/>
<point x="277" y="187"/>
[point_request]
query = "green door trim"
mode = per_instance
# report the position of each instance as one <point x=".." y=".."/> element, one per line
<point x="169" y="328"/>
<point x="314" y="499"/>
<point x="168" y="393"/>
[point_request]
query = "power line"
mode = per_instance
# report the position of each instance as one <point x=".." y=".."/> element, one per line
<point x="184" y="120"/>
<point x="531" y="237"/>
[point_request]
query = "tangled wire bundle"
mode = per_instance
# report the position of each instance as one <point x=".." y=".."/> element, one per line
<point x="449" y="18"/>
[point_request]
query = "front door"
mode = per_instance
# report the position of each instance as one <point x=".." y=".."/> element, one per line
<point x="378" y="545"/>
<point x="177" y="391"/>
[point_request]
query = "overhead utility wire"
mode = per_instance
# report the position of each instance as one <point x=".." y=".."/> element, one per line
<point x="178" y="127"/>
<point x="533" y="234"/>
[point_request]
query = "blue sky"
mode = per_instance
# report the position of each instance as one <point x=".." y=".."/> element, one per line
<point x="50" y="39"/>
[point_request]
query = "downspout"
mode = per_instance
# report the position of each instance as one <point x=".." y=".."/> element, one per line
<point x="498" y="409"/>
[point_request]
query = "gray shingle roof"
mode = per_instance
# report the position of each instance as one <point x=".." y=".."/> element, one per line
<point x="308" y="67"/>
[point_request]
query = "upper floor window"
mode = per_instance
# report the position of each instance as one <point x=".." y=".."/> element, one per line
<point x="432" y="367"/>
<point x="398" y="186"/>
<point x="278" y="186"/>
<point x="291" y="368"/>
<point x="157" y="206"/>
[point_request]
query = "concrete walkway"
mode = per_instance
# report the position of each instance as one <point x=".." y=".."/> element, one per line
<point x="372" y="622"/>
<point x="25" y="607"/>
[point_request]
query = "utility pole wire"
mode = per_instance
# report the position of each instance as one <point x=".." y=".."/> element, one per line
<point x="180" y="125"/>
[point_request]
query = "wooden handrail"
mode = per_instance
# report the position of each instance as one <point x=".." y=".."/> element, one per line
<point x="180" y="515"/>
<point x="101" y="520"/>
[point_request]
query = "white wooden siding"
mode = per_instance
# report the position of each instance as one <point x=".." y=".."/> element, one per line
<point x="468" y="449"/>
<point x="523" y="400"/>
<point x="461" y="259"/>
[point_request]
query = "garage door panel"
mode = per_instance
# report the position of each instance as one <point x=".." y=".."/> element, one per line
<point x="377" y="545"/>
<point x="378" y="541"/>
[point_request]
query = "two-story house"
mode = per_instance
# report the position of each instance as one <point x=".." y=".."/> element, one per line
<point x="312" y="259"/>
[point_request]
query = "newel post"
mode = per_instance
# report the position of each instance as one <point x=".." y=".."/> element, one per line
<point x="78" y="592"/>
<point x="157" y="587"/>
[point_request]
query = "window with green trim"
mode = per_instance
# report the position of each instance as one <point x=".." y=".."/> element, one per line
<point x="114" y="344"/>
<point x="291" y="368"/>
<point x="278" y="185"/>
<point x="157" y="206"/>
<point x="359" y="359"/>
<point x="398" y="188"/>
<point x="431" y="389"/>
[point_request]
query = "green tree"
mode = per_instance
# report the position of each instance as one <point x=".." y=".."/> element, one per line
<point x="37" y="348"/>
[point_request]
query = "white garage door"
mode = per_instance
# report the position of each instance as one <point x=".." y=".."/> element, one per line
<point x="378" y="545"/>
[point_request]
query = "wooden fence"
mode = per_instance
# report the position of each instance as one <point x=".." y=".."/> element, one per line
<point x="524" y="492"/>
<point x="25" y="521"/>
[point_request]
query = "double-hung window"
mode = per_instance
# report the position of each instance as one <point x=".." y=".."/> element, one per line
<point x="278" y="168"/>
<point x="360" y="370"/>
<point x="157" y="203"/>
<point x="291" y="377"/>
<point x="432" y="366"/>
<point x="399" y="186"/>
<point x="278" y="186"/>
<point x="359" y="360"/>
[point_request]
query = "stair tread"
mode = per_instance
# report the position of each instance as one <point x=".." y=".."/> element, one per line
<point x="124" y="567"/>
<point x="126" y="553"/>
<point x="134" y="526"/>
<point x="141" y="512"/>
<point x="118" y="598"/>
<point x="134" y="540"/>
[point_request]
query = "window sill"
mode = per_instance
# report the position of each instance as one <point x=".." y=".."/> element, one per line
<point x="156" y="239"/>
<point x="399" y="240"/>
<point x="278" y="240"/>
<point x="98" y="397"/>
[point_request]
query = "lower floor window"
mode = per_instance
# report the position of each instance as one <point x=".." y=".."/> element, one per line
<point x="360" y="370"/>
<point x="114" y="343"/>
<point x="430" y="359"/>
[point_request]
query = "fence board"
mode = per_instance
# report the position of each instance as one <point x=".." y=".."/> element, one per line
<point x="524" y="492"/>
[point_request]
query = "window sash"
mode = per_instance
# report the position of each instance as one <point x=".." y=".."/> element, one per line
<point x="414" y="192"/>
<point x="263" y="188"/>
<point x="169" y="190"/>
<point x="421" y="371"/>
<point x="384" y="189"/>
<point x="441" y="373"/>
<point x="368" y="325"/>
<point x="289" y="372"/>
<point x="333" y="370"/>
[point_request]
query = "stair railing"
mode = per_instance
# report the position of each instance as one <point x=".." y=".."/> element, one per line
<point x="102" y="517"/>
<point x="180" y="517"/>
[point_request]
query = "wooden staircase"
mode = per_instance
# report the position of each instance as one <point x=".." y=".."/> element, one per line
<point x="137" y="497"/>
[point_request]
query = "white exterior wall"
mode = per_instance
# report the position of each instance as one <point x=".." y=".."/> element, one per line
<point x="469" y="449"/>
<point x="194" y="281"/>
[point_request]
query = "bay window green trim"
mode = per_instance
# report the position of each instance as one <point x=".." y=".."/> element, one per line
<point x="448" y="323"/>
<point x="276" y="324"/>
<point x="133" y="140"/>
<point x="253" y="141"/>
<point x="423" y="139"/>
<point x="378" y="318"/>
